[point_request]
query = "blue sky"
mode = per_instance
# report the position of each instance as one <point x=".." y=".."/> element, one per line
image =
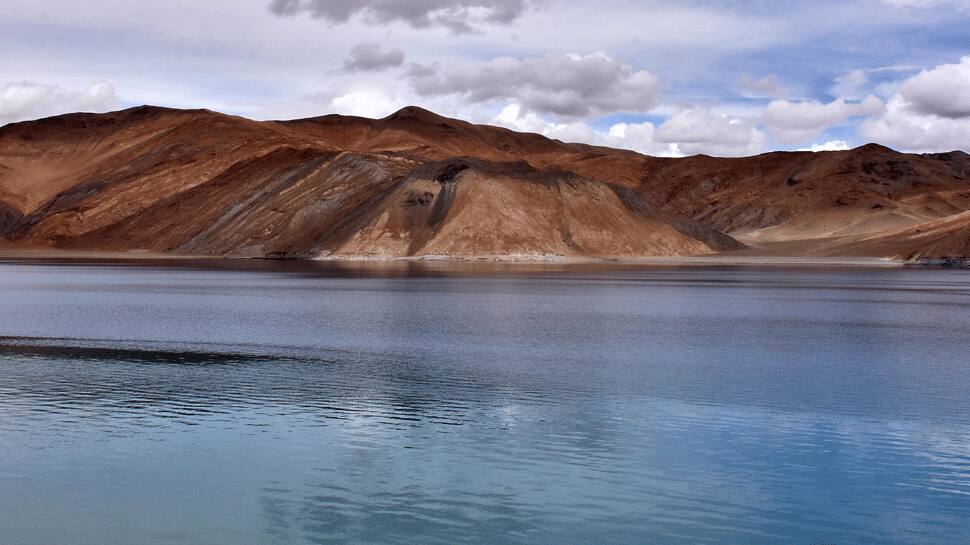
<point x="661" y="77"/>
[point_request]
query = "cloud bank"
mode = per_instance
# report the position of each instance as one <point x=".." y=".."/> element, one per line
<point x="568" y="86"/>
<point x="689" y="131"/>
<point x="28" y="100"/>
<point x="943" y="91"/>
<point x="930" y="112"/>
<point x="697" y="130"/>
<point x="458" y="16"/>
<point x="372" y="57"/>
<point x="794" y="122"/>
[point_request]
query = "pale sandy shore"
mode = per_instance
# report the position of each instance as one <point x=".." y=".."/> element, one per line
<point x="685" y="261"/>
<point x="45" y="253"/>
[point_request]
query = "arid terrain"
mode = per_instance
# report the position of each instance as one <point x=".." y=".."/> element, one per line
<point x="415" y="184"/>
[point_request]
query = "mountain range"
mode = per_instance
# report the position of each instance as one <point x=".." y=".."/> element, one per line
<point x="416" y="184"/>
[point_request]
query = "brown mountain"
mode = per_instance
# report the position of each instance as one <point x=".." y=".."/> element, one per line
<point x="418" y="184"/>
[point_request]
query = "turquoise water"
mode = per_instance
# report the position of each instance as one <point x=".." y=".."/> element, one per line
<point x="294" y="403"/>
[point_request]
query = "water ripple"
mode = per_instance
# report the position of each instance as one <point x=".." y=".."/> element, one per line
<point x="650" y="406"/>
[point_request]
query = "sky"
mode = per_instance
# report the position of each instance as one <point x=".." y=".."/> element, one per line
<point x="671" y="78"/>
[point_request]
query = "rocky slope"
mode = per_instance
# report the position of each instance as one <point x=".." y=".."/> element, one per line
<point x="418" y="184"/>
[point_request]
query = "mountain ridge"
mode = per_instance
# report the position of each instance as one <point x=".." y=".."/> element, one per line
<point x="201" y="182"/>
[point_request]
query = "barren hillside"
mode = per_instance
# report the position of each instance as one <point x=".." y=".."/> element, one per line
<point x="418" y="184"/>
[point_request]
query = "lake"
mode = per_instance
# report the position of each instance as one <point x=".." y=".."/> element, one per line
<point x="260" y="402"/>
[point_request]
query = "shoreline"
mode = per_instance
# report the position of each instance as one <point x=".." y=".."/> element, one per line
<point x="25" y="254"/>
<point x="660" y="261"/>
<point x="137" y="255"/>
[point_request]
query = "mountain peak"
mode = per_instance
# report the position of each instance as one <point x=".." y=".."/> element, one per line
<point x="415" y="113"/>
<point x="874" y="148"/>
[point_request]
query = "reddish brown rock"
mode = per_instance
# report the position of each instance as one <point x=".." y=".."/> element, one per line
<point x="418" y="184"/>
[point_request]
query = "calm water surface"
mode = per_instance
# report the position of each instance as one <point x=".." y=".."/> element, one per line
<point x="291" y="403"/>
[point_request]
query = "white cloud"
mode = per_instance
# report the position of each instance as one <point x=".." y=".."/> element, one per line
<point x="930" y="112"/>
<point x="569" y="86"/>
<point x="800" y="121"/>
<point x="365" y="104"/>
<point x="459" y="16"/>
<point x="831" y="145"/>
<point x="943" y="90"/>
<point x="371" y="57"/>
<point x="905" y="129"/>
<point x="687" y="132"/>
<point x="851" y="84"/>
<point x="366" y="98"/>
<point x="633" y="136"/>
<point x="28" y="100"/>
<point x="639" y="137"/>
<point x="513" y="117"/>
<point x="698" y="130"/>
